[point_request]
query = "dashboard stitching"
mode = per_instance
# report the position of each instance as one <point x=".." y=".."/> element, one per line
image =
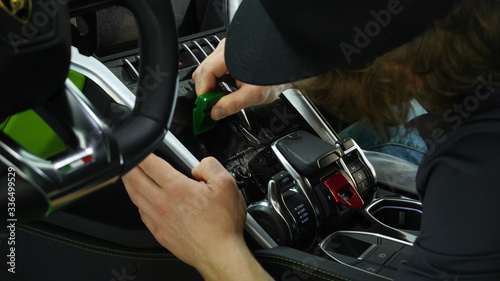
<point x="99" y="252"/>
<point x="300" y="269"/>
<point x="304" y="265"/>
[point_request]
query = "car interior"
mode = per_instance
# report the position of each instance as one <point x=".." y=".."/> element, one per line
<point x="315" y="208"/>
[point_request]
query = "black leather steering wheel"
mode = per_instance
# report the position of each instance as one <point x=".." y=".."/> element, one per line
<point x="34" y="64"/>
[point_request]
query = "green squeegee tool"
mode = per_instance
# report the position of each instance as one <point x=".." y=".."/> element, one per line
<point x="202" y="121"/>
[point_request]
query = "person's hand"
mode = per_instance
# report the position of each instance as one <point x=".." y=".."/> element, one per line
<point x="200" y="221"/>
<point x="212" y="69"/>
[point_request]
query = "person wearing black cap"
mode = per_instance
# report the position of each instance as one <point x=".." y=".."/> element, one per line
<point x="363" y="58"/>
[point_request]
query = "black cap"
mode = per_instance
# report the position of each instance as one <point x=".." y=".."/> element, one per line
<point x="273" y="42"/>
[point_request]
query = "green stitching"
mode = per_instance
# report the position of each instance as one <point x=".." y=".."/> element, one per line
<point x="305" y="265"/>
<point x="97" y="252"/>
<point x="297" y="268"/>
<point x="98" y="247"/>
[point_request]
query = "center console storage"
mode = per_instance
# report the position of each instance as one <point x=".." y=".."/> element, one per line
<point x="372" y="253"/>
<point x="401" y="214"/>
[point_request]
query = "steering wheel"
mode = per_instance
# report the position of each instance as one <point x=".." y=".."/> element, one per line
<point x="34" y="63"/>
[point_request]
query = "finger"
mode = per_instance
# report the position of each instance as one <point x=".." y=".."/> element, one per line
<point x="164" y="175"/>
<point x="137" y="183"/>
<point x="232" y="103"/>
<point x="159" y="170"/>
<point x="139" y="200"/>
<point x="206" y="75"/>
<point x="208" y="167"/>
<point x="148" y="222"/>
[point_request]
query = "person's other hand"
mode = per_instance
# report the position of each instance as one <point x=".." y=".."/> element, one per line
<point x="212" y="69"/>
<point x="181" y="212"/>
<point x="200" y="221"/>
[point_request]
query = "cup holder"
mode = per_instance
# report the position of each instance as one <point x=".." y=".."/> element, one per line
<point x="401" y="214"/>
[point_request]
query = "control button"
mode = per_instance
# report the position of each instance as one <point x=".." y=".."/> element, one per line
<point x="283" y="180"/>
<point x="346" y="143"/>
<point x="381" y="254"/>
<point x="359" y="176"/>
<point x="354" y="166"/>
<point x="363" y="187"/>
<point x="241" y="173"/>
<point x="343" y="192"/>
<point x="387" y="272"/>
<point x="366" y="266"/>
<point x="401" y="258"/>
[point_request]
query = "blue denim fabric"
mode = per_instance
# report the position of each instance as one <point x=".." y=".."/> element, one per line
<point x="403" y="144"/>
<point x="393" y="172"/>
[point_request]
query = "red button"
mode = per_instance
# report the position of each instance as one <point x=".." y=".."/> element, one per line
<point x="343" y="192"/>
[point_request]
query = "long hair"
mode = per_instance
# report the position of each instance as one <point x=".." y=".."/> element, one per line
<point x="436" y="68"/>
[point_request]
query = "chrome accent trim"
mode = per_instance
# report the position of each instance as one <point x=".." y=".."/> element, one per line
<point x="129" y="64"/>
<point x="262" y="203"/>
<point x="209" y="44"/>
<point x="258" y="233"/>
<point x="102" y="76"/>
<point x="244" y="116"/>
<point x="191" y="53"/>
<point x="251" y="138"/>
<point x="323" y="243"/>
<point x="44" y="175"/>
<point x="349" y="174"/>
<point x="216" y="38"/>
<point x="275" y="198"/>
<point x="200" y="48"/>
<point x="87" y="117"/>
<point x="61" y="201"/>
<point x="180" y="151"/>
<point x="303" y="185"/>
<point x="404" y="235"/>
<point x="365" y="253"/>
<point x="377" y="201"/>
<point x="311" y="114"/>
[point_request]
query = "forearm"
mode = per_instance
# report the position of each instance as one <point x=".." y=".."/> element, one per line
<point x="234" y="262"/>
